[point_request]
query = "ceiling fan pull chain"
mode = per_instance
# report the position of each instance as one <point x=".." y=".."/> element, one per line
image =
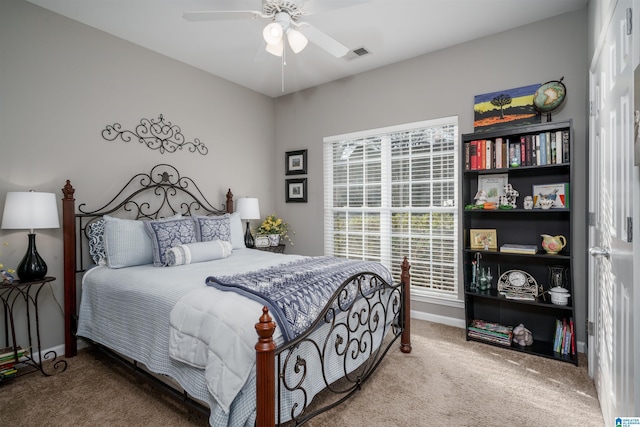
<point x="284" y="49"/>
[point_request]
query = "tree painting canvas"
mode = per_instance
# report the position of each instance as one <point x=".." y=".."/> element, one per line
<point x="504" y="108"/>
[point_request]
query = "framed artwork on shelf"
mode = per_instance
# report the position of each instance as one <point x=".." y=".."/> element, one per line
<point x="557" y="193"/>
<point x="483" y="239"/>
<point x="504" y="108"/>
<point x="296" y="162"/>
<point x="493" y="186"/>
<point x="296" y="190"/>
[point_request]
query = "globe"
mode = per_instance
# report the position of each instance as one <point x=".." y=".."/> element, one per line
<point x="549" y="96"/>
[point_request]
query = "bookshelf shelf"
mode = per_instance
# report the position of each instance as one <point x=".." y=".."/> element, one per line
<point x="519" y="226"/>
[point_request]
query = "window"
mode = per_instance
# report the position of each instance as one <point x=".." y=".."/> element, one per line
<point x="391" y="193"/>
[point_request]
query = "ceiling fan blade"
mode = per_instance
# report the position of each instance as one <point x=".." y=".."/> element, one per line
<point x="220" y="15"/>
<point x="323" y="40"/>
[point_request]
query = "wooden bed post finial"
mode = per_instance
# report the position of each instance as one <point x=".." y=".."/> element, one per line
<point x="69" y="255"/>
<point x="229" y="205"/>
<point x="405" y="277"/>
<point x="265" y="371"/>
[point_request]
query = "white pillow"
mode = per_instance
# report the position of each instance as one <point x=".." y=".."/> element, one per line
<point x="237" y="232"/>
<point x="198" y="252"/>
<point x="126" y="242"/>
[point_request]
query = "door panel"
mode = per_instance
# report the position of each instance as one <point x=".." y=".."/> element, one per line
<point x="611" y="194"/>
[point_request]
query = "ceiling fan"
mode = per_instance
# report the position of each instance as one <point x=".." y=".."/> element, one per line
<point x="286" y="20"/>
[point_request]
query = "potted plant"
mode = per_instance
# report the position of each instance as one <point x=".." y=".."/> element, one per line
<point x="276" y="229"/>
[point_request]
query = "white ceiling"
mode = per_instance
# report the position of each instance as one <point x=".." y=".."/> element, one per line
<point x="392" y="30"/>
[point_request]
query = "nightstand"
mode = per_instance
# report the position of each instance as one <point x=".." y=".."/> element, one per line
<point x="277" y="249"/>
<point x="30" y="355"/>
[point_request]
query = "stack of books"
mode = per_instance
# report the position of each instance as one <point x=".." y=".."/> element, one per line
<point x="492" y="332"/>
<point x="564" y="342"/>
<point x="518" y="249"/>
<point x="8" y="362"/>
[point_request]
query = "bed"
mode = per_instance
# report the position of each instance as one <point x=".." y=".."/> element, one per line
<point x="250" y="345"/>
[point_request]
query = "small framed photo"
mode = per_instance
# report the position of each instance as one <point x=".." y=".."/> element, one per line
<point x="296" y="190"/>
<point x="558" y="194"/>
<point x="493" y="186"/>
<point x="483" y="239"/>
<point x="296" y="162"/>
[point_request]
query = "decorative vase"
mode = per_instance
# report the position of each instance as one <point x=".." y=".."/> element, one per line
<point x="274" y="239"/>
<point x="553" y="244"/>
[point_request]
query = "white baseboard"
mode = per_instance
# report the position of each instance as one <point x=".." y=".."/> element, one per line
<point x="451" y="321"/>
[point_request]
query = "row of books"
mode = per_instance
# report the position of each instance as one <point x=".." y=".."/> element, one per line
<point x="8" y="361"/>
<point x="564" y="341"/>
<point x="545" y="148"/>
<point x="492" y="332"/>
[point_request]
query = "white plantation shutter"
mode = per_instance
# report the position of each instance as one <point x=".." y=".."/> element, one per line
<point x="391" y="193"/>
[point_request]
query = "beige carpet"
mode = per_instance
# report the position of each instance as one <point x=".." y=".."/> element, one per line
<point x="444" y="381"/>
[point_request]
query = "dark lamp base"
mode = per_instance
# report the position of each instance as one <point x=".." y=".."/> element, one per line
<point x="32" y="267"/>
<point x="248" y="238"/>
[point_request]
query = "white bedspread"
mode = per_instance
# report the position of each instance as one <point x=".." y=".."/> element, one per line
<point x="214" y="330"/>
<point x="128" y="310"/>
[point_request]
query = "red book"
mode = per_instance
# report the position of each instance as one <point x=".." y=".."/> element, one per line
<point x="573" y="337"/>
<point x="473" y="154"/>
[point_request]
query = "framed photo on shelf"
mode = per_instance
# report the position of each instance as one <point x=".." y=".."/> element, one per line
<point x="493" y="185"/>
<point x="558" y="193"/>
<point x="483" y="238"/>
<point x="296" y="162"/>
<point x="296" y="190"/>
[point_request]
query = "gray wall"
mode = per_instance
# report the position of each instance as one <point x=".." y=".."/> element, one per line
<point x="62" y="82"/>
<point x="438" y="85"/>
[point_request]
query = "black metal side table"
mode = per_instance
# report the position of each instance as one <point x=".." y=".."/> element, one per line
<point x="27" y="292"/>
<point x="277" y="249"/>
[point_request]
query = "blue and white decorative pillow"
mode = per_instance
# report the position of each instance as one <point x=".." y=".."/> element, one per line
<point x="95" y="233"/>
<point x="210" y="228"/>
<point x="167" y="234"/>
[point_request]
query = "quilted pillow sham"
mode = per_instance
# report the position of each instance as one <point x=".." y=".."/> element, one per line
<point x="166" y="234"/>
<point x="210" y="228"/>
<point x="95" y="234"/>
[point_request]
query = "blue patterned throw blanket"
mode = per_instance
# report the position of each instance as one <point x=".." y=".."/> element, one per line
<point x="296" y="292"/>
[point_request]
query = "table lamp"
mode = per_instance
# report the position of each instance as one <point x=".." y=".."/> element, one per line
<point x="30" y="210"/>
<point x="248" y="209"/>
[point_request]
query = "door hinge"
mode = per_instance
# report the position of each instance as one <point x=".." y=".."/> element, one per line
<point x="629" y="229"/>
<point x="592" y="219"/>
<point x="629" y="21"/>
<point x="589" y="328"/>
<point x="591" y="108"/>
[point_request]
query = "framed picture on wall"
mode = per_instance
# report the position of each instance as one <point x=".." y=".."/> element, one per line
<point x="296" y="190"/>
<point x="296" y="162"/>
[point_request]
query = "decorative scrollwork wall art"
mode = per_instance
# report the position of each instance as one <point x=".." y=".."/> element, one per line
<point x="157" y="135"/>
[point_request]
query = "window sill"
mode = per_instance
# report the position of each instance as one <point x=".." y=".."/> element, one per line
<point x="431" y="297"/>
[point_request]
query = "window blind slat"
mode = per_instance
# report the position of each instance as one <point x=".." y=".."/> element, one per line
<point x="391" y="193"/>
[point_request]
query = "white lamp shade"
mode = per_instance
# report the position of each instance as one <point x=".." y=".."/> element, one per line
<point x="297" y="40"/>
<point x="30" y="210"/>
<point x="275" y="49"/>
<point x="248" y="208"/>
<point x="272" y="33"/>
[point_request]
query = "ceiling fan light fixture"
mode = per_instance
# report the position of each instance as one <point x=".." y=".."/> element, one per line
<point x="275" y="49"/>
<point x="272" y="33"/>
<point x="297" y="40"/>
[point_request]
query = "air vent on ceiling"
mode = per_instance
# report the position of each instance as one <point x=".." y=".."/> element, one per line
<point x="357" y="53"/>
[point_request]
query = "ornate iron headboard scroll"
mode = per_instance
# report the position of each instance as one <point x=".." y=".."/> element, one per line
<point x="160" y="193"/>
<point x="157" y="135"/>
